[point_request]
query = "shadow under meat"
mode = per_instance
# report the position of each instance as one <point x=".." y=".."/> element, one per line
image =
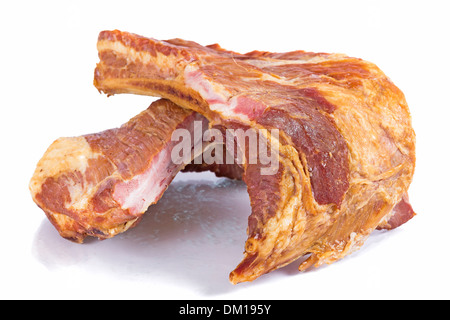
<point x="195" y="235"/>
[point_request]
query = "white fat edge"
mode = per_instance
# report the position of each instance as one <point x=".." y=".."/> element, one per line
<point x="138" y="200"/>
<point x="272" y="62"/>
<point x="213" y="92"/>
<point x="267" y="62"/>
<point x="153" y="176"/>
<point x="227" y="109"/>
<point x="135" y="201"/>
<point x="216" y="92"/>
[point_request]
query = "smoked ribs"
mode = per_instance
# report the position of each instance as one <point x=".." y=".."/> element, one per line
<point x="339" y="129"/>
<point x="101" y="184"/>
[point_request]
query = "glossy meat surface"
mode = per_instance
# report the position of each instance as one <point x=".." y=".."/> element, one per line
<point x="101" y="184"/>
<point x="346" y="145"/>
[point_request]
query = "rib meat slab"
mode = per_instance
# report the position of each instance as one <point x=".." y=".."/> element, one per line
<point x="101" y="184"/>
<point x="346" y="147"/>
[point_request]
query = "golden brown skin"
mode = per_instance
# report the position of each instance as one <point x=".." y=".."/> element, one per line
<point x="346" y="146"/>
<point x="84" y="184"/>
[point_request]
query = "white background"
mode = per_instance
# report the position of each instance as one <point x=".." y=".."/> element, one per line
<point x="192" y="239"/>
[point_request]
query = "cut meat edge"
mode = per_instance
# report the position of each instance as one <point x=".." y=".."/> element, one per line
<point x="79" y="181"/>
<point x="186" y="87"/>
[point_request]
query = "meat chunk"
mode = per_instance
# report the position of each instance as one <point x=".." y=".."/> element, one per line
<point x="345" y="149"/>
<point x="101" y="184"/>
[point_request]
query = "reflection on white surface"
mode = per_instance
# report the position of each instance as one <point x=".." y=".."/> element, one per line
<point x="190" y="240"/>
<point x="195" y="233"/>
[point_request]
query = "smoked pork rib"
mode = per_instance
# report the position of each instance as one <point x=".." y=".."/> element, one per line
<point x="346" y="148"/>
<point x="101" y="184"/>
